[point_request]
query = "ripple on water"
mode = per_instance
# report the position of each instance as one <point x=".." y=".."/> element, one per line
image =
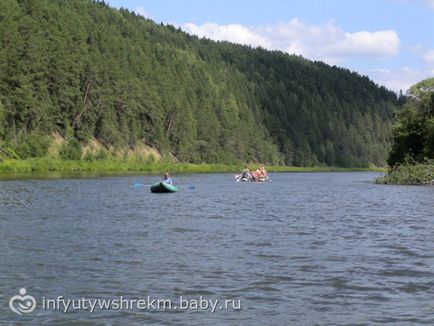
<point x="305" y="249"/>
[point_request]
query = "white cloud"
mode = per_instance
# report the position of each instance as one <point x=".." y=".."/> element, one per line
<point x="399" y="78"/>
<point x="141" y="11"/>
<point x="428" y="57"/>
<point x="374" y="44"/>
<point x="325" y="42"/>
<point x="430" y="3"/>
<point x="233" y="32"/>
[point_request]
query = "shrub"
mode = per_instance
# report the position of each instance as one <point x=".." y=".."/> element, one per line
<point x="89" y="157"/>
<point x="71" y="150"/>
<point x="409" y="173"/>
<point x="33" y="145"/>
<point x="101" y="154"/>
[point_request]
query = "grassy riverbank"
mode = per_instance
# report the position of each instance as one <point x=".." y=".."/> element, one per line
<point x="409" y="174"/>
<point x="46" y="165"/>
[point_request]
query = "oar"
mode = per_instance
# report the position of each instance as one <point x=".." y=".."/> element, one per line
<point x="139" y="185"/>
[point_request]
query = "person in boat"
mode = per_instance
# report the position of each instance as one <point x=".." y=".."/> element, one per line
<point x="166" y="179"/>
<point x="260" y="174"/>
<point x="263" y="173"/>
<point x="256" y="175"/>
<point x="246" y="174"/>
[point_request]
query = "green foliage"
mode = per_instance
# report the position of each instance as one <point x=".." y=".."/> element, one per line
<point x="422" y="89"/>
<point x="83" y="69"/>
<point x="413" y="136"/>
<point x="33" y="145"/>
<point x="99" y="155"/>
<point x="89" y="157"/>
<point x="49" y="164"/>
<point x="410" y="173"/>
<point x="71" y="150"/>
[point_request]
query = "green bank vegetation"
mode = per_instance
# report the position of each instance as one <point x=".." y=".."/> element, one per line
<point x="410" y="174"/>
<point x="107" y="165"/>
<point x="59" y="155"/>
<point x="47" y="164"/>
<point x="88" y="72"/>
<point x="412" y="155"/>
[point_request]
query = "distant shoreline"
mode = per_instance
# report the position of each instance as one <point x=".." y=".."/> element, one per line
<point x="57" y="168"/>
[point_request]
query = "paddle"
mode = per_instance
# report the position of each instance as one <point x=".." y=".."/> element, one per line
<point x="139" y="185"/>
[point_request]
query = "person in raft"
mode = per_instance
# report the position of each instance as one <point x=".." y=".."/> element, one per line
<point x="255" y="175"/>
<point x="245" y="174"/>
<point x="166" y="179"/>
<point x="260" y="174"/>
<point x="263" y="173"/>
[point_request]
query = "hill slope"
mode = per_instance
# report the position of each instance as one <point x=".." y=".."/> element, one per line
<point x="85" y="70"/>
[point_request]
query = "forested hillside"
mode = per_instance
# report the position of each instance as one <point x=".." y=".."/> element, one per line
<point x="84" y="70"/>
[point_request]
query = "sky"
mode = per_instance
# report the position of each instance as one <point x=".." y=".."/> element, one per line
<point x="391" y="41"/>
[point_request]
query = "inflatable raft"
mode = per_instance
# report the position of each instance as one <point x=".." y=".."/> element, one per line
<point x="161" y="187"/>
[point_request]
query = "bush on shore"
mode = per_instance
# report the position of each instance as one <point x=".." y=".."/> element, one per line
<point x="410" y="174"/>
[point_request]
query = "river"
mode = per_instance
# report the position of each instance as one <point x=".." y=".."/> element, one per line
<point x="303" y="249"/>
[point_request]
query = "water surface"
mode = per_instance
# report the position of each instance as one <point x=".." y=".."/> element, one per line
<point x="304" y="249"/>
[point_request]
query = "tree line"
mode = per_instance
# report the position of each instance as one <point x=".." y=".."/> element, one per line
<point x="85" y="70"/>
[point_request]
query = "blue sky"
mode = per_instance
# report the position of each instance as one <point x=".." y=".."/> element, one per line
<point x="391" y="41"/>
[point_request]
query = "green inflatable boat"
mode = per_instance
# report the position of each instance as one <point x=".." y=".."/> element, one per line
<point x="161" y="187"/>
